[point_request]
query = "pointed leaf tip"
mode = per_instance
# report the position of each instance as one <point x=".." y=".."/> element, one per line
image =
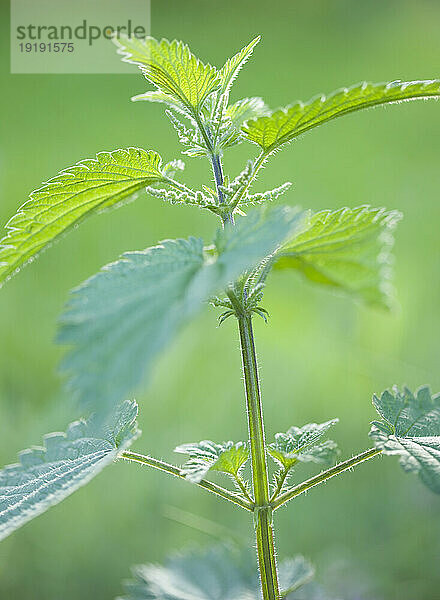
<point x="284" y="125"/>
<point x="77" y="192"/>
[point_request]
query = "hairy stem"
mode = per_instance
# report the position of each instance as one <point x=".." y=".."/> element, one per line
<point x="262" y="510"/>
<point x="324" y="476"/>
<point x="217" y="168"/>
<point x="178" y="186"/>
<point x="281" y="480"/>
<point x="172" y="470"/>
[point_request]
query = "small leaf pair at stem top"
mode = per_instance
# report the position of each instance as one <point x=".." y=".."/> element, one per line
<point x="118" y="321"/>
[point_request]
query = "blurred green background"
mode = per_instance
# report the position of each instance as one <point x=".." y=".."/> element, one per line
<point x="372" y="534"/>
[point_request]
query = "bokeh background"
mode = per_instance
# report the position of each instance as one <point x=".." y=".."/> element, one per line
<point x="373" y="534"/>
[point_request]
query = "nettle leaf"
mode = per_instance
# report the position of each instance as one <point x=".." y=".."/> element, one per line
<point x="172" y="69"/>
<point x="258" y="231"/>
<point x="120" y="319"/>
<point x="67" y="461"/>
<point x="284" y="125"/>
<point x="244" y="109"/>
<point x="205" y="456"/>
<point x="301" y="444"/>
<point x="76" y="193"/>
<point x="411" y="429"/>
<point x="235" y="115"/>
<point x="294" y="573"/>
<point x="349" y="249"/>
<point x="233" y="65"/>
<point x="218" y="573"/>
<point x="157" y="96"/>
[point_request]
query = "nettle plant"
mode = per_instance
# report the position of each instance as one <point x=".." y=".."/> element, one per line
<point x="119" y="320"/>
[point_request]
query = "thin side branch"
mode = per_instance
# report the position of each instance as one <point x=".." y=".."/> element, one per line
<point x="281" y="480"/>
<point x="321" y="477"/>
<point x="175" y="471"/>
<point x="243" y="489"/>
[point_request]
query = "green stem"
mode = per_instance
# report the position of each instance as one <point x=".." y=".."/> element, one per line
<point x="179" y="186"/>
<point x="324" y="476"/>
<point x="262" y="510"/>
<point x="217" y="169"/>
<point x="279" y="487"/>
<point x="172" y="470"/>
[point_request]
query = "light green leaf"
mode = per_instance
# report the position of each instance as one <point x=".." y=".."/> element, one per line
<point x="120" y="319"/>
<point x="233" y="65"/>
<point x="218" y="573"/>
<point x="301" y="444"/>
<point x="67" y="461"/>
<point x="76" y="193"/>
<point x="172" y="69"/>
<point x="157" y="96"/>
<point x="234" y="117"/>
<point x="244" y="109"/>
<point x="284" y="125"/>
<point x="208" y="456"/>
<point x="410" y="429"/>
<point x="349" y="249"/>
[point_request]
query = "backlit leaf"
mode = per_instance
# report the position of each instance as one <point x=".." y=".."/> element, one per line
<point x="157" y="96"/>
<point x="76" y="193"/>
<point x="349" y="249"/>
<point x="234" y="117"/>
<point x="208" y="456"/>
<point x="284" y="125"/>
<point x="45" y="476"/>
<point x="244" y="109"/>
<point x="301" y="444"/>
<point x="410" y="429"/>
<point x="172" y="68"/>
<point x="233" y="65"/>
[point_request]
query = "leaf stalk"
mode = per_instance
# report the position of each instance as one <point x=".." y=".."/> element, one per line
<point x="324" y="476"/>
<point x="172" y="470"/>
